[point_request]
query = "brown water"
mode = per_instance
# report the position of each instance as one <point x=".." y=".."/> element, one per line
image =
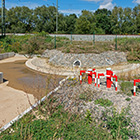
<point x="22" y="78"/>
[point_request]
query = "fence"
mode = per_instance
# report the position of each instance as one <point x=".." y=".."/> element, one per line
<point x="93" y="38"/>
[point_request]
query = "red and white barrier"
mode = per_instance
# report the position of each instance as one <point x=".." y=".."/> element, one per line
<point x="109" y="76"/>
<point x="81" y="72"/>
<point x="99" y="75"/>
<point x="116" y="85"/>
<point x="135" y="81"/>
<point x="95" y="76"/>
<point x="90" y="73"/>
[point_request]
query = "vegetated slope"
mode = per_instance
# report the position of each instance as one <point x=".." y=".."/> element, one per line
<point x="38" y="43"/>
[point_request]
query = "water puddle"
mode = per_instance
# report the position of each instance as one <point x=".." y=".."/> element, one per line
<point x="32" y="82"/>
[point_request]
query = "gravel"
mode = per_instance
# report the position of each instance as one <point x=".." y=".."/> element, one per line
<point x="58" y="58"/>
<point x="69" y="95"/>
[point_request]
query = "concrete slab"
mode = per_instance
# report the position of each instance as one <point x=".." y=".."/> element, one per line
<point x="12" y="103"/>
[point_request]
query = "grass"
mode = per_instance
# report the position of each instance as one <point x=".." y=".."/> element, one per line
<point x="103" y="102"/>
<point x="127" y="88"/>
<point x="65" y="125"/>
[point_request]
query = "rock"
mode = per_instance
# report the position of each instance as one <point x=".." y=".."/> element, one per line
<point x="58" y="58"/>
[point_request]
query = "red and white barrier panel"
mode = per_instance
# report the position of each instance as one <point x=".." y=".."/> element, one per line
<point x="135" y="81"/>
<point x="99" y="75"/>
<point x="90" y="73"/>
<point x="109" y="76"/>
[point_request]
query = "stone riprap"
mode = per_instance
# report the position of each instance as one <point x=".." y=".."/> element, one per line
<point x="58" y="58"/>
<point x="6" y="55"/>
<point x="97" y="37"/>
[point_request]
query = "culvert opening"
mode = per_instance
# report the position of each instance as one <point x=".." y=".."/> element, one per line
<point x="77" y="63"/>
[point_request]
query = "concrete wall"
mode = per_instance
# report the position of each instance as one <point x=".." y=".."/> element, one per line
<point x="1" y="77"/>
<point x="6" y="55"/>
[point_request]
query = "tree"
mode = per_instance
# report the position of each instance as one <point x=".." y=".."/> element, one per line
<point x="103" y="21"/>
<point x="115" y="24"/>
<point x="70" y="22"/>
<point x="45" y="19"/>
<point x="19" y="19"/>
<point x="136" y="18"/>
<point x="82" y="25"/>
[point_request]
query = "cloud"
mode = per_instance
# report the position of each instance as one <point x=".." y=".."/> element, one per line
<point x="31" y="5"/>
<point x="136" y="1"/>
<point x="72" y="11"/>
<point x="108" y="6"/>
<point x="104" y="3"/>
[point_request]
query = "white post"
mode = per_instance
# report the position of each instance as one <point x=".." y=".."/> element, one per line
<point x="1" y="77"/>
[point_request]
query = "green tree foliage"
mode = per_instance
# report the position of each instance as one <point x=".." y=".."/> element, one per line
<point x="82" y="25"/>
<point x="44" y="19"/>
<point x="19" y="19"/>
<point x="102" y="21"/>
<point x="70" y="22"/>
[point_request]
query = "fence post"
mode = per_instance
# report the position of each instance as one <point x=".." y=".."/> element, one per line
<point x="93" y="38"/>
<point x="55" y="42"/>
<point x="116" y="43"/>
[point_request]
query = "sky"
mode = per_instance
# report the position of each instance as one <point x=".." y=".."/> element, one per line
<point x="74" y="6"/>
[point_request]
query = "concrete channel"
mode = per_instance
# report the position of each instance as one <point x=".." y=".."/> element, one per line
<point x="22" y="87"/>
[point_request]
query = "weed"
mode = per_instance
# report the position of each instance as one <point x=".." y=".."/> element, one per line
<point x="103" y="102"/>
<point x="128" y="99"/>
<point x="119" y="124"/>
<point x="127" y="88"/>
<point x="88" y="117"/>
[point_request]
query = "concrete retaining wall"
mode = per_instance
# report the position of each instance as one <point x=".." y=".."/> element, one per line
<point x="6" y="55"/>
<point x="1" y="77"/>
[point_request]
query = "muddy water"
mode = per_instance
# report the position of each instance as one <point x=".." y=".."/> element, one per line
<point x="22" y="78"/>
